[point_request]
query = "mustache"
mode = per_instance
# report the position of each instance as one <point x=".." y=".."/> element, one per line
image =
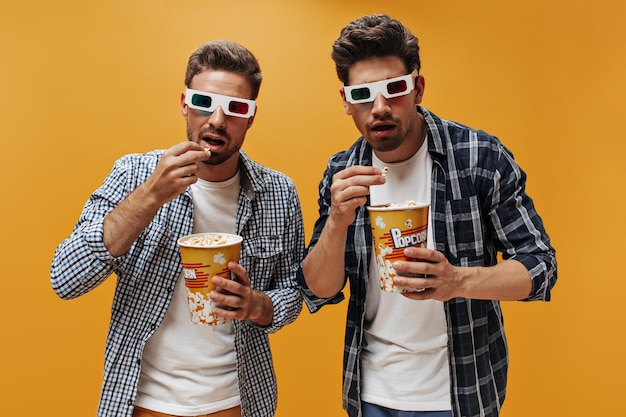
<point x="211" y="131"/>
<point x="385" y="118"/>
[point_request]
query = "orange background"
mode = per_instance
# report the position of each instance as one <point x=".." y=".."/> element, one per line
<point x="82" y="83"/>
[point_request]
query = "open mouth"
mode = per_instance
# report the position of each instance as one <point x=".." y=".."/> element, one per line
<point x="383" y="128"/>
<point x="212" y="141"/>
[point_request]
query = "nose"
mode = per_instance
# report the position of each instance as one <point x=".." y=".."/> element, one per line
<point x="217" y="119"/>
<point x="380" y="105"/>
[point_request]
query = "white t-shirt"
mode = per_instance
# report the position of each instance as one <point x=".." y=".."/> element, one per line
<point x="405" y="354"/>
<point x="189" y="369"/>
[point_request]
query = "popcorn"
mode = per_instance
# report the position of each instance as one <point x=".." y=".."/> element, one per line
<point x="385" y="170"/>
<point x="386" y="271"/>
<point x="201" y="309"/>
<point x="407" y="203"/>
<point x="208" y="240"/>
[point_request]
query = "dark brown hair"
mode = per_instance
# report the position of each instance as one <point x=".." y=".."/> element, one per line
<point x="377" y="35"/>
<point x="225" y="56"/>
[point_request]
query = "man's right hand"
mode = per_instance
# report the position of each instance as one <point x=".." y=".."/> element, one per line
<point x="323" y="267"/>
<point x="350" y="189"/>
<point x="175" y="171"/>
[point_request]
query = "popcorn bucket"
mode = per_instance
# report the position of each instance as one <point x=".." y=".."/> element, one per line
<point x="205" y="255"/>
<point x="394" y="228"/>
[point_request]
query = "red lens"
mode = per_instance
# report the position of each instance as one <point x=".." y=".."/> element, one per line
<point x="396" y="87"/>
<point x="238" y="107"/>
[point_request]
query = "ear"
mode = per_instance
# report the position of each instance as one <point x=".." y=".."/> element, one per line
<point x="251" y="118"/>
<point x="420" y="85"/>
<point x="183" y="106"/>
<point x="345" y="103"/>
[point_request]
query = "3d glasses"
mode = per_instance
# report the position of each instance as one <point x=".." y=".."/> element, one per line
<point x="393" y="87"/>
<point x="208" y="102"/>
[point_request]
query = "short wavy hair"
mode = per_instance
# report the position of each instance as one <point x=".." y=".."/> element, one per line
<point x="376" y="35"/>
<point x="225" y="55"/>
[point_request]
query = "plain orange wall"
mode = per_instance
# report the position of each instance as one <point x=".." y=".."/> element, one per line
<point x="82" y="83"/>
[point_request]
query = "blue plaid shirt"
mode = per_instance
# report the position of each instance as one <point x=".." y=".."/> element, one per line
<point x="268" y="217"/>
<point x="479" y="208"/>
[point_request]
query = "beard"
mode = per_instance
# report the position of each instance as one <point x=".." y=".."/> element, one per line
<point x="219" y="157"/>
<point x="390" y="143"/>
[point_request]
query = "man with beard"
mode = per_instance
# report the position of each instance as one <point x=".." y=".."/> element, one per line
<point x="440" y="349"/>
<point x="157" y="362"/>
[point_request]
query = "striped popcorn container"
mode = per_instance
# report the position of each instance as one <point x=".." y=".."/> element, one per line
<point x="205" y="255"/>
<point x="396" y="227"/>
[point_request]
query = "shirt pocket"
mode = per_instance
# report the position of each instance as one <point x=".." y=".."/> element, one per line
<point x="465" y="231"/>
<point x="260" y="256"/>
<point x="153" y="249"/>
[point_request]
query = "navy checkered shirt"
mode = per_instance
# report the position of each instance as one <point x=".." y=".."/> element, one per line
<point x="268" y="217"/>
<point x="479" y="208"/>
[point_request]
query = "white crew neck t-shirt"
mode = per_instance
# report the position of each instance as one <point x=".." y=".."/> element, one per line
<point x="190" y="369"/>
<point x="405" y="354"/>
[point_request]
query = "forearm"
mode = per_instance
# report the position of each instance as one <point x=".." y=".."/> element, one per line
<point x="506" y="281"/>
<point x="124" y="224"/>
<point x="324" y="266"/>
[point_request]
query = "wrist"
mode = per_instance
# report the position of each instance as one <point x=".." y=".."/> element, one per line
<point x="262" y="313"/>
<point x="147" y="197"/>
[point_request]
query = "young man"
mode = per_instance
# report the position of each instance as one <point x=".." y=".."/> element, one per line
<point x="157" y="362"/>
<point x="439" y="351"/>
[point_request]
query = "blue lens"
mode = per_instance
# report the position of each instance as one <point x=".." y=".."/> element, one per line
<point x="360" y="93"/>
<point x="201" y="101"/>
